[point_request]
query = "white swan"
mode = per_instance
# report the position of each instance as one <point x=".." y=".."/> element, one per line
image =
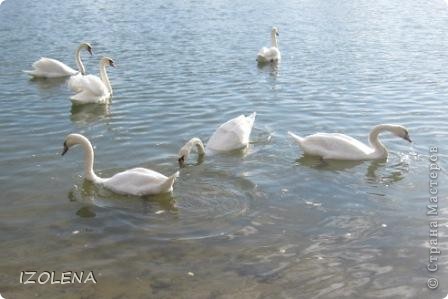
<point x="91" y="88"/>
<point x="231" y="135"/>
<point x="135" y="181"/>
<point x="342" y="147"/>
<point x="271" y="54"/>
<point x="52" y="68"/>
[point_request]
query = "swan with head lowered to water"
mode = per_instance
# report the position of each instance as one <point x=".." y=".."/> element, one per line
<point x="231" y="135"/>
<point x="335" y="146"/>
<point x="136" y="181"/>
<point x="90" y="88"/>
<point x="52" y="68"/>
<point x="272" y="54"/>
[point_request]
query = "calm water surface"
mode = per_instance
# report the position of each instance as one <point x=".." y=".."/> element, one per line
<point x="266" y="223"/>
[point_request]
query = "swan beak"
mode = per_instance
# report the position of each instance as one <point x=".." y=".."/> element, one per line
<point x="90" y="51"/>
<point x="181" y="161"/>
<point x="65" y="149"/>
<point x="112" y="64"/>
<point x="277" y="33"/>
<point x="407" y="138"/>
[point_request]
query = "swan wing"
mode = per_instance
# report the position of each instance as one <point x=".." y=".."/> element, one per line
<point x="75" y="83"/>
<point x="335" y="146"/>
<point x="233" y="134"/>
<point x="51" y="68"/>
<point x="136" y="181"/>
<point x="91" y="84"/>
<point x="268" y="54"/>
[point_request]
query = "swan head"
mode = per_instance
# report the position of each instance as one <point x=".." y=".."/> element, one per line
<point x="72" y="140"/>
<point x="88" y="47"/>
<point x="401" y="132"/>
<point x="108" y="61"/>
<point x="275" y="31"/>
<point x="184" y="153"/>
<point x="183" y="156"/>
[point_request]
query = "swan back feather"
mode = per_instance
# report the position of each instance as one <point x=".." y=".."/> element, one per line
<point x="50" y="68"/>
<point x="140" y="181"/>
<point x="233" y="134"/>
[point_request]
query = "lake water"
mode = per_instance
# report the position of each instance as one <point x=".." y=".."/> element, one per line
<point x="266" y="223"/>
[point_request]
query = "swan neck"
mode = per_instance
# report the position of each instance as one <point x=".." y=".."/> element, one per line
<point x="199" y="146"/>
<point x="89" y="174"/>
<point x="78" y="60"/>
<point x="274" y="41"/>
<point x="379" y="148"/>
<point x="104" y="77"/>
<point x="195" y="142"/>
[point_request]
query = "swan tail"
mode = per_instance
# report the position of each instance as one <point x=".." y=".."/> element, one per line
<point x="296" y="138"/>
<point x="251" y="118"/>
<point x="31" y="73"/>
<point x="167" y="186"/>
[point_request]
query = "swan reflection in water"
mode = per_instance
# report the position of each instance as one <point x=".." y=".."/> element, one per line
<point x="271" y="68"/>
<point x="46" y="84"/>
<point x="92" y="196"/>
<point x="88" y="113"/>
<point x="383" y="171"/>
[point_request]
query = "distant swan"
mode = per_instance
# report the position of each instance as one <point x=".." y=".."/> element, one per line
<point x="342" y="147"/>
<point x="135" y="181"/>
<point x="52" y="68"/>
<point x="91" y="88"/>
<point x="272" y="54"/>
<point x="231" y="135"/>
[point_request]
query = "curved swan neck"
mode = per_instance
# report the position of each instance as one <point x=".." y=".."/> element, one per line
<point x="79" y="63"/>
<point x="103" y="75"/>
<point x="89" y="174"/>
<point x="379" y="148"/>
<point x="274" y="41"/>
<point x="195" y="142"/>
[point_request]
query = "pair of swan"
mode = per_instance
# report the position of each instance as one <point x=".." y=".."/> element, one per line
<point x="335" y="146"/>
<point x="231" y="135"/>
<point x="272" y="54"/>
<point x="52" y="68"/>
<point x="88" y="88"/>
<point x="136" y="181"/>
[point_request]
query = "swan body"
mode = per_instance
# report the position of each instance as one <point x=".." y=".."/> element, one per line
<point x="272" y="54"/>
<point x="52" y="68"/>
<point x="90" y="88"/>
<point x="136" y="181"/>
<point x="231" y="135"/>
<point x="335" y="146"/>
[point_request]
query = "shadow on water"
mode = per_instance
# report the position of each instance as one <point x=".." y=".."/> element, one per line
<point x="271" y="68"/>
<point x="385" y="171"/>
<point x="46" y="83"/>
<point x="88" y="113"/>
<point x="93" y="196"/>
<point x="388" y="171"/>
<point x="329" y="165"/>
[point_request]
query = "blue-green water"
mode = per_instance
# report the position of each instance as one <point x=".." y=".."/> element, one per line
<point x="264" y="224"/>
